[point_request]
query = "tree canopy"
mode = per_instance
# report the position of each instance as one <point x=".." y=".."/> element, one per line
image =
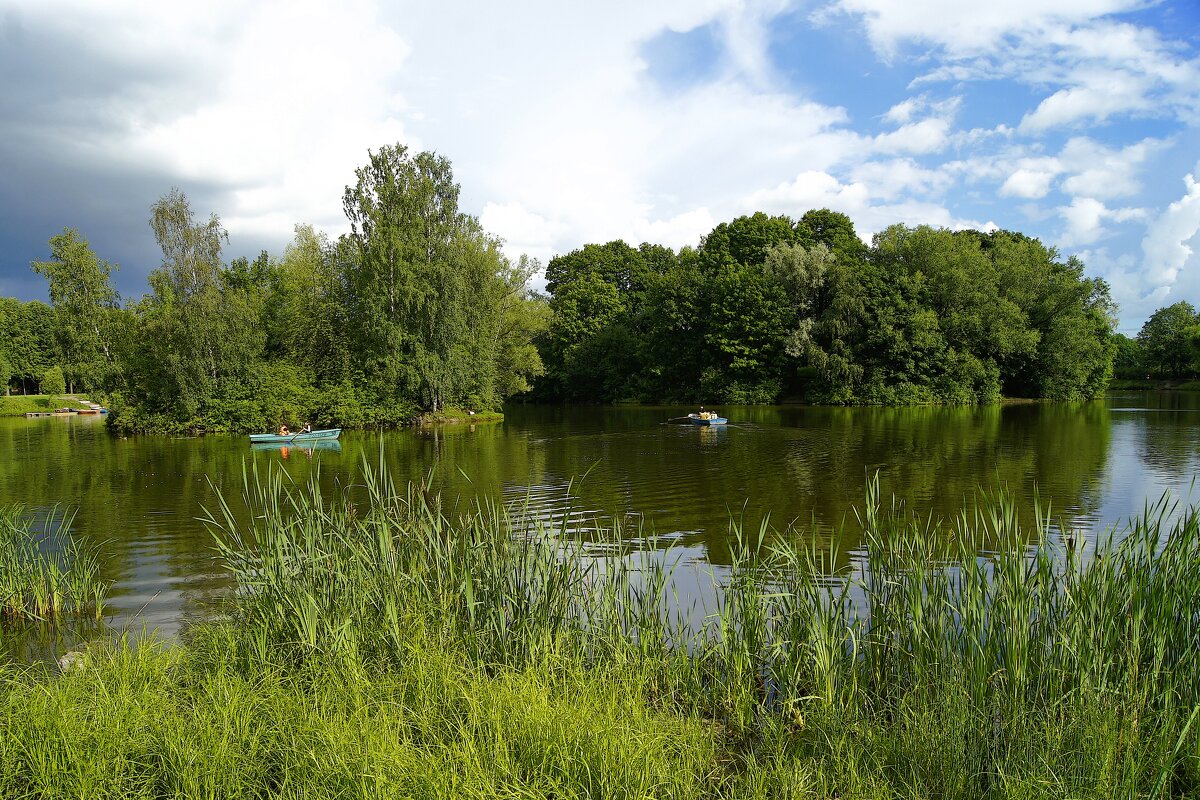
<point x="769" y="307"/>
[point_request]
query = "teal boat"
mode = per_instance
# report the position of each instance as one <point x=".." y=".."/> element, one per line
<point x="709" y="419"/>
<point x="298" y="437"/>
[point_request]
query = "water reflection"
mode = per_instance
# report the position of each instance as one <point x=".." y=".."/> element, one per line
<point x="138" y="499"/>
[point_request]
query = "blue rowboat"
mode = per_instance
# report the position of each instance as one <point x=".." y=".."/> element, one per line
<point x="696" y="419"/>
<point x="295" y="438"/>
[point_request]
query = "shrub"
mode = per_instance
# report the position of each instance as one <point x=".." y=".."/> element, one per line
<point x="53" y="381"/>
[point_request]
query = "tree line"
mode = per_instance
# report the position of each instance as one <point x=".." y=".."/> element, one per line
<point x="1166" y="348"/>
<point x="415" y="309"/>
<point x="769" y="308"/>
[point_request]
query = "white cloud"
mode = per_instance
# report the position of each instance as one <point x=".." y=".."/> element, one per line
<point x="1085" y="219"/>
<point x="1100" y="171"/>
<point x="1030" y="184"/>
<point x="1096" y="97"/>
<point x="926" y="136"/>
<point x="1166" y="246"/>
<point x="902" y="113"/>
<point x="1095" y="67"/>
<point x="811" y="189"/>
<point x="902" y="176"/>
<point x="963" y="29"/>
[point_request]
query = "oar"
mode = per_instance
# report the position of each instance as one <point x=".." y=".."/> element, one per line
<point x="685" y="416"/>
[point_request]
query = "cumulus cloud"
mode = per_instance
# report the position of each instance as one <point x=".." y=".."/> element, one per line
<point x="559" y="131"/>
<point x="1086" y="217"/>
<point x="1101" y="171"/>
<point x="1097" y="68"/>
<point x="1095" y="98"/>
<point x="965" y="29"/>
<point x="1167" y="246"/>
<point x="1028" y="183"/>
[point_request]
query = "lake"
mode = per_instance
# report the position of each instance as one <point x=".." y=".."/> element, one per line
<point x="138" y="499"/>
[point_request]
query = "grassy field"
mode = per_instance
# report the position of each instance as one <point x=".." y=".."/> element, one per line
<point x="393" y="648"/>
<point x="20" y="404"/>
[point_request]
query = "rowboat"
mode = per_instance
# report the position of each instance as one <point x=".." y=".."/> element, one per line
<point x="297" y="437"/>
<point x="696" y="419"/>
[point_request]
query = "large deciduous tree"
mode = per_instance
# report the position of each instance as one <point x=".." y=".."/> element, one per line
<point x="84" y="303"/>
<point x="424" y="282"/>
<point x="200" y="329"/>
<point x="1166" y="340"/>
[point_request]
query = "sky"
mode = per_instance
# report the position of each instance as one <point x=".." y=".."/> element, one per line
<point x="1074" y="121"/>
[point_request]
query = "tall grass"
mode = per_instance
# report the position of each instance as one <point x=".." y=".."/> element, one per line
<point x="382" y="643"/>
<point x="973" y="655"/>
<point x="44" y="572"/>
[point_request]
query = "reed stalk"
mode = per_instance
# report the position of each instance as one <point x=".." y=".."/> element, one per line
<point x="46" y="574"/>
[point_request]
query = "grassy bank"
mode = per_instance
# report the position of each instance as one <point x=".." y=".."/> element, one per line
<point x="21" y="404"/>
<point x="453" y="416"/>
<point x="1153" y="385"/>
<point x="398" y="648"/>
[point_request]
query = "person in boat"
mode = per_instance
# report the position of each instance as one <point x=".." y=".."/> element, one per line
<point x="283" y="431"/>
<point x="307" y="428"/>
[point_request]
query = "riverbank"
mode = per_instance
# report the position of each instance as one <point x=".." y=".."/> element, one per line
<point x="1136" y="384"/>
<point x="456" y="416"/>
<point x="21" y="404"/>
<point x="446" y="656"/>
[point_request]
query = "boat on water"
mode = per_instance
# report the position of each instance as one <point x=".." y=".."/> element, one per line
<point x="296" y="438"/>
<point x="706" y="418"/>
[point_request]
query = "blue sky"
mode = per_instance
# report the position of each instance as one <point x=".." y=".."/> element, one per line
<point x="1076" y="121"/>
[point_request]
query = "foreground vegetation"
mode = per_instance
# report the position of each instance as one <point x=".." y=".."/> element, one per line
<point x="381" y="644"/>
<point x="44" y="573"/>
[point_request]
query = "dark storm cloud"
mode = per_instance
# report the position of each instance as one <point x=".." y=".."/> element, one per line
<point x="66" y="106"/>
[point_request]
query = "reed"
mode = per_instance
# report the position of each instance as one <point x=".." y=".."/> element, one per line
<point x="44" y="573"/>
<point x="385" y="642"/>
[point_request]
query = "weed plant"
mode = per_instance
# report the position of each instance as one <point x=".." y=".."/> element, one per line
<point x="382" y="644"/>
<point x="44" y="573"/>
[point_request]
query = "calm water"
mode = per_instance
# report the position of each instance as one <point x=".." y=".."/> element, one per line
<point x="138" y="498"/>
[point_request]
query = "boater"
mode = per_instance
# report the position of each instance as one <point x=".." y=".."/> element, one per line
<point x="283" y="430"/>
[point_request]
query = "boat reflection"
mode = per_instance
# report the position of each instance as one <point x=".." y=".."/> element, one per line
<point x="286" y="449"/>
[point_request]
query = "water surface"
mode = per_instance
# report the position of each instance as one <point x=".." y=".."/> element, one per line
<point x="139" y="499"/>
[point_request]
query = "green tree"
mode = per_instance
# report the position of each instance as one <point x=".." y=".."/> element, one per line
<point x="577" y="359"/>
<point x="83" y="302"/>
<point x="748" y="322"/>
<point x="1166" y="340"/>
<point x="747" y="239"/>
<point x="6" y="373"/>
<point x="833" y="230"/>
<point x="30" y="332"/>
<point x="306" y="312"/>
<point x="1128" y="360"/>
<point x="52" y="381"/>
<point x="200" y="331"/>
<point x="523" y="318"/>
<point x="424" y="281"/>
